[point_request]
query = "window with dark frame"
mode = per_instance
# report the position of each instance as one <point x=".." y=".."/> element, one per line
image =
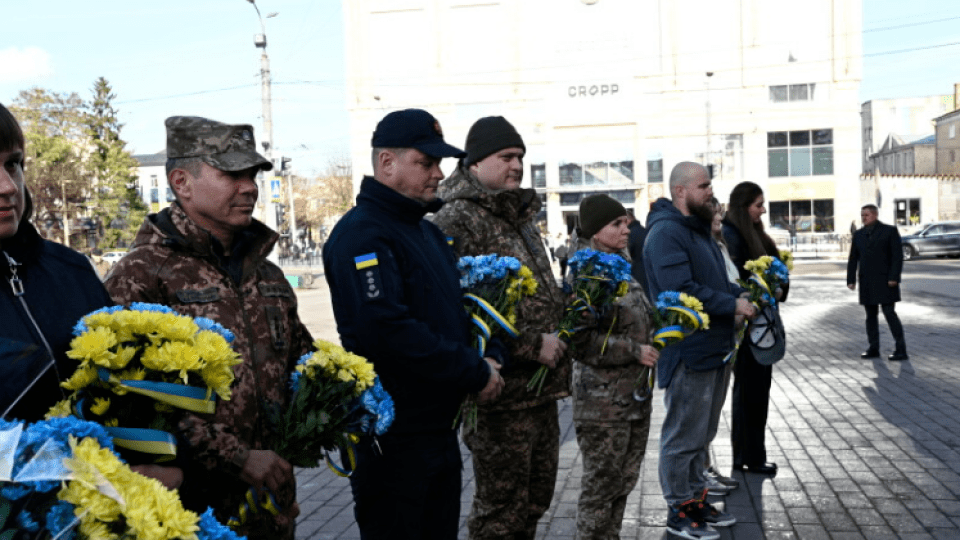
<point x="813" y="216"/>
<point x="539" y="174"/>
<point x="800" y="153"/>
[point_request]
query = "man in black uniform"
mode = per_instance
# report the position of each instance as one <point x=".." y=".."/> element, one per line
<point x="876" y="249"/>
<point x="396" y="297"/>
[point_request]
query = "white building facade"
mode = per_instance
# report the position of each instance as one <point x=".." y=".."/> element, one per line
<point x="610" y="94"/>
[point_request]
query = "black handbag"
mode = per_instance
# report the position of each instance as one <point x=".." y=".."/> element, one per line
<point x="766" y="337"/>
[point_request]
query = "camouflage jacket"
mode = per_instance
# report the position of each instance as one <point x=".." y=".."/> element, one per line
<point x="176" y="263"/>
<point x="603" y="382"/>
<point x="482" y="222"/>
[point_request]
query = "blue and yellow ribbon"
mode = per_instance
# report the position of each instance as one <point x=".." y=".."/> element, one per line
<point x="692" y="315"/>
<point x="148" y="441"/>
<point x="253" y="502"/>
<point x="494" y="314"/>
<point x="346" y="447"/>
<point x="191" y="398"/>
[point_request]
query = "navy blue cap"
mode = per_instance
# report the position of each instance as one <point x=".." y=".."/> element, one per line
<point x="413" y="128"/>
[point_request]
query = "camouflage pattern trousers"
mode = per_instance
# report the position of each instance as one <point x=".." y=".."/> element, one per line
<point x="612" y="454"/>
<point x="515" y="460"/>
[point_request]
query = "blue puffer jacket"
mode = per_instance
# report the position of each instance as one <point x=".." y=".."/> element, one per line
<point x="59" y="287"/>
<point x="680" y="255"/>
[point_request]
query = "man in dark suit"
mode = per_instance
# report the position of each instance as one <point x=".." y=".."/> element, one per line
<point x="876" y="249"/>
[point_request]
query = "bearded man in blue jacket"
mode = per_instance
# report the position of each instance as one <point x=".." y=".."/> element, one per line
<point x="680" y="255"/>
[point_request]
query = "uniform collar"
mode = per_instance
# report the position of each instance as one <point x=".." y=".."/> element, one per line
<point x="392" y="203"/>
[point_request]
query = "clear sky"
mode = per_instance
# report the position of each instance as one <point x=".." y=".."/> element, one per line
<point x="196" y="57"/>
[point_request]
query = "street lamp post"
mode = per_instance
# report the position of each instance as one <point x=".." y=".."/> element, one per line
<point x="268" y="212"/>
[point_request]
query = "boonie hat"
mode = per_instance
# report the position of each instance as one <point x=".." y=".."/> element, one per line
<point x="413" y="128"/>
<point x="227" y="147"/>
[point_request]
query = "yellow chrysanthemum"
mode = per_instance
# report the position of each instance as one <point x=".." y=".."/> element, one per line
<point x="623" y="288"/>
<point x="61" y="410"/>
<point x="94" y="345"/>
<point x="706" y="321"/>
<point x="100" y="406"/>
<point x="787" y="258"/>
<point x="691" y="302"/>
<point x="85" y="375"/>
<point x="106" y="489"/>
<point x="172" y="357"/>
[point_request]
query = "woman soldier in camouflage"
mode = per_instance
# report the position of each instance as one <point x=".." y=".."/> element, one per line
<point x="611" y="424"/>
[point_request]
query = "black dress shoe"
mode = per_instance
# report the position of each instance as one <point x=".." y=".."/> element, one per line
<point x="763" y="468"/>
<point x="898" y="357"/>
<point x="869" y="353"/>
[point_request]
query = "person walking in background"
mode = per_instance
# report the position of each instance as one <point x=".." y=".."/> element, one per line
<point x="562" y="253"/>
<point x="747" y="240"/>
<point x="611" y="425"/>
<point x="396" y="297"/>
<point x="516" y="441"/>
<point x="205" y="256"/>
<point x="680" y="255"/>
<point x="876" y="257"/>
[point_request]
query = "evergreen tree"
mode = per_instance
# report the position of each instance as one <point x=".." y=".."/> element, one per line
<point x="117" y="208"/>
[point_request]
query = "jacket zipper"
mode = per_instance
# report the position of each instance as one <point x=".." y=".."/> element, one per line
<point x="16" y="286"/>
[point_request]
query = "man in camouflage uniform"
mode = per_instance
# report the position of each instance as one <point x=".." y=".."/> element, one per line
<point x="206" y="256"/>
<point x="516" y="443"/>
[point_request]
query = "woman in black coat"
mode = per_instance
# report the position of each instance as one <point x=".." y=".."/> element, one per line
<point x="746" y="240"/>
<point x="44" y="290"/>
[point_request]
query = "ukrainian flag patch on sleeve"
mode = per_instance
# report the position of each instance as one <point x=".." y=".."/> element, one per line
<point x="368" y="271"/>
<point x="366" y="261"/>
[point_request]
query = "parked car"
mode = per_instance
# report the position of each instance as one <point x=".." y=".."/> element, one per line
<point x="937" y="238"/>
<point x="113" y="256"/>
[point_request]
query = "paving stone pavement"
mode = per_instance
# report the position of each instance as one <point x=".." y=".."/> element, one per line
<point x="866" y="449"/>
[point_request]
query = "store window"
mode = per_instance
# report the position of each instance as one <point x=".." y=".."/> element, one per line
<point x="804" y="216"/>
<point x="792" y="92"/>
<point x="539" y="174"/>
<point x="800" y="153"/>
<point x="655" y="171"/>
<point x="907" y="211"/>
<point x="625" y="196"/>
<point x="596" y="173"/>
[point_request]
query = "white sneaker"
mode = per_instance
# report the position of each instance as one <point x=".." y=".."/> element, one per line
<point x="725" y="480"/>
<point x="714" y="487"/>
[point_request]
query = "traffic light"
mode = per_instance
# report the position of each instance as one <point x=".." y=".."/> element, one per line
<point x="710" y="170"/>
<point x="283" y="163"/>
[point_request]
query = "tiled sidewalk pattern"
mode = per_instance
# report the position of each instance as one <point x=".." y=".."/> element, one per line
<point x="866" y="449"/>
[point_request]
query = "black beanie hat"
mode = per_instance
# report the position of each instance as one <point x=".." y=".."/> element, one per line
<point x="596" y="211"/>
<point x="488" y="135"/>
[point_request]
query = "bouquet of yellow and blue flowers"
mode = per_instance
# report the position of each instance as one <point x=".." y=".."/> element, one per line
<point x="335" y="397"/>
<point x="598" y="279"/>
<point x="140" y="368"/>
<point x="60" y="478"/>
<point x="767" y="274"/>
<point x="493" y="287"/>
<point x="676" y="316"/>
